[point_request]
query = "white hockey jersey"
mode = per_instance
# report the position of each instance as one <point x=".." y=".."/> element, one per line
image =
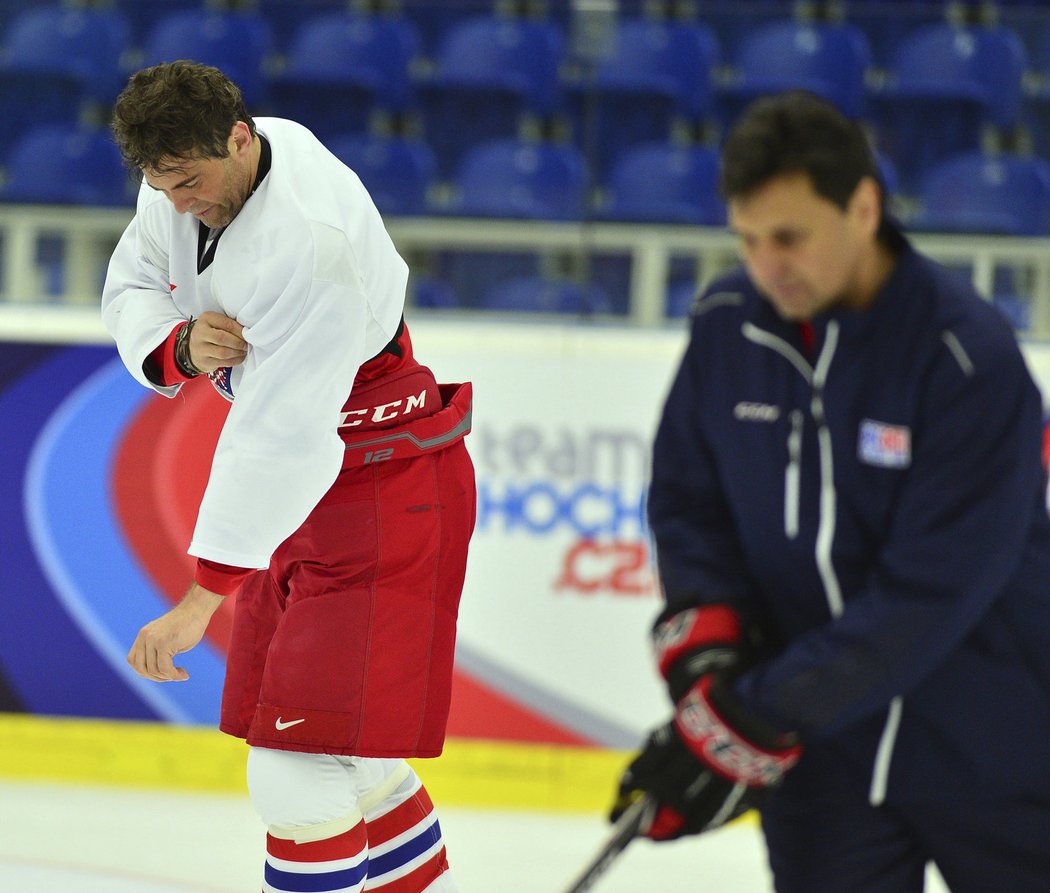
<point x="308" y="269"/>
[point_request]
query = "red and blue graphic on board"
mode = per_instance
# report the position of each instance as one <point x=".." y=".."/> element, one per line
<point x="103" y="480"/>
<point x="101" y="485"/>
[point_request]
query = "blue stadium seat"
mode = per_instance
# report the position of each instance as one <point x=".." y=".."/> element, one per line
<point x="991" y="194"/>
<point x="675" y="60"/>
<point x="286" y="17"/>
<point x="887" y="25"/>
<point x="660" y="182"/>
<point x="511" y="179"/>
<point x="517" y="178"/>
<point x="431" y="293"/>
<point x="516" y="56"/>
<point x="397" y="173"/>
<point x="144" y="14"/>
<point x="54" y="64"/>
<point x="85" y="45"/>
<point x="734" y="21"/>
<point x="946" y="83"/>
<point x="654" y="74"/>
<point x="340" y="67"/>
<point x="536" y="294"/>
<point x="67" y="164"/>
<point x="945" y="61"/>
<point x="239" y="43"/>
<point x="1034" y="30"/>
<point x="29" y="100"/>
<point x="829" y="60"/>
<point x="435" y="19"/>
<point x="1033" y="27"/>
<point x="488" y="73"/>
<point x="470" y="274"/>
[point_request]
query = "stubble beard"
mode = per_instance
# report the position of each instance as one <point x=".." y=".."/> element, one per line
<point x="235" y="194"/>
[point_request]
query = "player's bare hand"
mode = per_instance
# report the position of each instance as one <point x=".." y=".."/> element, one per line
<point x="152" y="655"/>
<point x="216" y="340"/>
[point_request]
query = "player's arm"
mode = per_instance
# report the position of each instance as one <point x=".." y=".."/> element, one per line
<point x="158" y="643"/>
<point x="960" y="524"/>
<point x="317" y="301"/>
<point x="715" y="758"/>
<point x="196" y="347"/>
<point x="137" y="308"/>
<point x="280" y="440"/>
<point x="699" y="557"/>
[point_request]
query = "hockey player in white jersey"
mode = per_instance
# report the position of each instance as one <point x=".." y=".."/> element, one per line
<point x="341" y="497"/>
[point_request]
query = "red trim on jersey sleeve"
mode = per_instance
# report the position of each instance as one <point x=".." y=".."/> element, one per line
<point x="222" y="579"/>
<point x="163" y="359"/>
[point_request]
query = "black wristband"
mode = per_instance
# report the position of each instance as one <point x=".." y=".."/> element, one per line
<point x="182" y="351"/>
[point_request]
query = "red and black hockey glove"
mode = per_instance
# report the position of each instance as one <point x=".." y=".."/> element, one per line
<point x="710" y="764"/>
<point x="689" y="644"/>
<point x="714" y="760"/>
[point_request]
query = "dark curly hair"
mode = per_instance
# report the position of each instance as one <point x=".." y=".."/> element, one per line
<point x="176" y="111"/>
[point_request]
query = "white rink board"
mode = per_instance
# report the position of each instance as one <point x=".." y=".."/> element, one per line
<point x="558" y="599"/>
<point x="559" y="596"/>
<point x="549" y="404"/>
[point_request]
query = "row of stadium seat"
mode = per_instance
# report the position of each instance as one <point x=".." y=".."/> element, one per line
<point x="883" y="20"/>
<point x="623" y="152"/>
<point x="654" y="182"/>
<point x="565" y="296"/>
<point x="501" y="77"/>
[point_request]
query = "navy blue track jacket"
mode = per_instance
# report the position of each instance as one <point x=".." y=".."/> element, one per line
<point x="877" y="511"/>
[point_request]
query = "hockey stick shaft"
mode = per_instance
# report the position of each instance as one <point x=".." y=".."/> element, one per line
<point x="628" y="826"/>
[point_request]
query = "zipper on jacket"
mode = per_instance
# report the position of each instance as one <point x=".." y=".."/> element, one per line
<point x="816" y="378"/>
<point x="826" y="526"/>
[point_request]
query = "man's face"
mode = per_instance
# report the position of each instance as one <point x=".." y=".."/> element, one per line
<point x="211" y="189"/>
<point x="803" y="252"/>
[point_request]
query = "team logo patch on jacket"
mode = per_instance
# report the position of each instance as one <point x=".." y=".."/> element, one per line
<point x="887" y="446"/>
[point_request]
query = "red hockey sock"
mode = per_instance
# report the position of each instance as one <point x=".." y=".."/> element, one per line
<point x="336" y="864"/>
<point x="406" y="849"/>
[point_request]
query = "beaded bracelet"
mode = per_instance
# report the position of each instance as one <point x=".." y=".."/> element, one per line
<point x="182" y="351"/>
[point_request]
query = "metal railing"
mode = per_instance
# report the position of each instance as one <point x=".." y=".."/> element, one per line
<point x="81" y="239"/>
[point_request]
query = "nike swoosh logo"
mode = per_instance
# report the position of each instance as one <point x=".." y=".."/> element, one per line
<point x="281" y="726"/>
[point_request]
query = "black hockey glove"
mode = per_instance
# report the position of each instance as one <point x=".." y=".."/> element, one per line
<point x="713" y="761"/>
<point x="710" y="764"/>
